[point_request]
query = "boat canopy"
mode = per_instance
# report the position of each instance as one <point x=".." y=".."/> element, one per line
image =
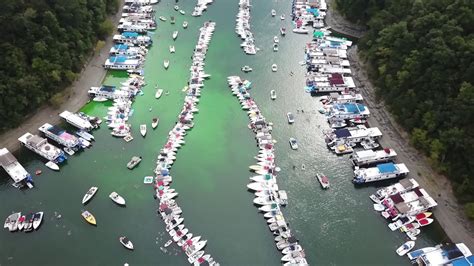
<point x="129" y="34"/>
<point x="342" y="133"/>
<point x="386" y="168"/>
<point x="318" y="34"/>
<point x="465" y="261"/>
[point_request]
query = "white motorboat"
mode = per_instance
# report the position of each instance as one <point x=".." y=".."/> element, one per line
<point x="412" y="233"/>
<point x="275" y="39"/>
<point x="117" y="198"/>
<point x="275" y="47"/>
<point x="273" y="95"/>
<point x="162" y="18"/>
<point x="176" y="7"/>
<point x="293" y="143"/>
<point x="195" y="256"/>
<point x="158" y="93"/>
<point x="269" y="208"/>
<point x="154" y="122"/>
<point x="180" y="234"/>
<point x="69" y="151"/>
<point x="273" y="12"/>
<point x="274" y="67"/>
<point x="168" y="243"/>
<point x="182" y="12"/>
<point x="37" y="219"/>
<point x="166" y="63"/>
<point x="143" y="129"/>
<point x="126" y="242"/>
<point x="90" y="193"/>
<point x="12" y="221"/>
<point x="282" y="17"/>
<point x="21" y="222"/>
<point x="379" y="207"/>
<point x="185" y="24"/>
<point x="301" y="30"/>
<point x="405" y="248"/>
<point x="292" y="248"/>
<point x="290" y="117"/>
<point x="323" y="180"/>
<point x="246" y="69"/>
<point x="283" y="31"/>
<point x="85" y="135"/>
<point x="175" y="34"/>
<point x="100" y="99"/>
<point x="293" y="256"/>
<point x="53" y="166"/>
<point x="172" y="49"/>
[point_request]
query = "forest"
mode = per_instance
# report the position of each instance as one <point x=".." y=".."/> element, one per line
<point x="421" y="58"/>
<point x="43" y="46"/>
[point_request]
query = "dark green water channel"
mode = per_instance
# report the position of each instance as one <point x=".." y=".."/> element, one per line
<point x="336" y="227"/>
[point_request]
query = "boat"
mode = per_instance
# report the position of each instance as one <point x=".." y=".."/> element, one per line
<point x="159" y="92"/>
<point x="143" y="129"/>
<point x="21" y="222"/>
<point x="185" y="24"/>
<point x="69" y="151"/>
<point x="273" y="12"/>
<point x="246" y="69"/>
<point x="166" y="63"/>
<point x="274" y="67"/>
<point x="412" y="233"/>
<point x="275" y="47"/>
<point x="379" y="207"/>
<point x="168" y="243"/>
<point x="275" y="39"/>
<point x="283" y="31"/>
<point x="172" y="49"/>
<point x="117" y="198"/>
<point x="12" y="221"/>
<point x="423" y="215"/>
<point x="323" y="180"/>
<point x="273" y="95"/>
<point x="413" y="255"/>
<point x="282" y="17"/>
<point x="301" y="30"/>
<point x="425" y="221"/>
<point x="405" y="248"/>
<point x="89" y="217"/>
<point x="175" y="34"/>
<point x="154" y="122"/>
<point x="37" y="219"/>
<point x="53" y="166"/>
<point x="291" y="248"/>
<point x="293" y="143"/>
<point x="85" y="135"/>
<point x="176" y="7"/>
<point x="182" y="12"/>
<point x="172" y="20"/>
<point x="134" y="162"/>
<point x="128" y="138"/>
<point x="28" y="226"/>
<point x="290" y="117"/>
<point x="90" y="193"/>
<point x="126" y="242"/>
<point x="162" y="18"/>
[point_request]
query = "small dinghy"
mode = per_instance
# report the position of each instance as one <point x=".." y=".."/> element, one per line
<point x="166" y="63"/>
<point x="274" y="67"/>
<point x="185" y="24"/>
<point x="401" y="251"/>
<point x="126" y="242"/>
<point x="115" y="197"/>
<point x="273" y="12"/>
<point x="282" y="17"/>
<point x="154" y="122"/>
<point x="143" y="130"/>
<point x="176" y="7"/>
<point x="172" y="20"/>
<point x="53" y="166"/>
<point x="90" y="193"/>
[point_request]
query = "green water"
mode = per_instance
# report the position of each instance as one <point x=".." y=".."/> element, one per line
<point x="336" y="227"/>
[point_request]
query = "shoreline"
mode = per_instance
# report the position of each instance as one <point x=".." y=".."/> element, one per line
<point x="449" y="214"/>
<point x="76" y="95"/>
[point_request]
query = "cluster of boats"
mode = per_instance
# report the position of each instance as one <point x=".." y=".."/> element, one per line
<point x="306" y="13"/>
<point x="268" y="197"/>
<point x="89" y="217"/>
<point x="28" y="222"/>
<point x="138" y="18"/>
<point x="169" y="210"/>
<point x="200" y="7"/>
<point x="242" y="28"/>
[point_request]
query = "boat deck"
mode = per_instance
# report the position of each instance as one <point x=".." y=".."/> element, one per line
<point x="12" y="166"/>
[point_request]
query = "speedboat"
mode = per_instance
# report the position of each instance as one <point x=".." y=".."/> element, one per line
<point x="21" y="222"/>
<point x="412" y="233"/>
<point x="275" y="39"/>
<point x="126" y="242"/>
<point x="182" y="12"/>
<point x="117" y="198"/>
<point x="425" y="221"/>
<point x="283" y="31"/>
<point x="172" y="20"/>
<point x="159" y="92"/>
<point x="269" y="208"/>
<point x="379" y="207"/>
<point x="90" y="193"/>
<point x="166" y="63"/>
<point x="89" y="217"/>
<point x="154" y="122"/>
<point x="175" y="34"/>
<point x="273" y="12"/>
<point x="143" y="129"/>
<point x="275" y="47"/>
<point x="12" y="221"/>
<point x="185" y="24"/>
<point x="282" y="17"/>
<point x="246" y="69"/>
<point x="405" y="248"/>
<point x="180" y="234"/>
<point x="423" y="215"/>
<point x="172" y="49"/>
<point x="37" y="219"/>
<point x="53" y="166"/>
<point x="274" y="67"/>
<point x="290" y="117"/>
<point x="323" y="180"/>
<point x="176" y="7"/>
<point x="28" y="223"/>
<point x="293" y="143"/>
<point x="162" y="18"/>
<point x="292" y="248"/>
<point x="69" y="151"/>
<point x="273" y="95"/>
<point x="301" y="30"/>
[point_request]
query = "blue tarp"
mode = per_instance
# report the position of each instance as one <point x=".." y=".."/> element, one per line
<point x="386" y="168"/>
<point x="129" y="34"/>
<point x="342" y="133"/>
<point x="315" y="11"/>
<point x="354" y="108"/>
<point x="461" y="262"/>
<point x="121" y="46"/>
<point x="118" y="59"/>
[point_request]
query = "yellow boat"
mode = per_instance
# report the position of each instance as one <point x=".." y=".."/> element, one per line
<point x="89" y="217"/>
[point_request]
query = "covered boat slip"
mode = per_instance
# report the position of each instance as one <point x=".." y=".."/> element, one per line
<point x="12" y="166"/>
<point x="76" y="120"/>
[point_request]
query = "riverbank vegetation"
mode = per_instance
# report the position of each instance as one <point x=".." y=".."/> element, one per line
<point x="43" y="47"/>
<point x="421" y="58"/>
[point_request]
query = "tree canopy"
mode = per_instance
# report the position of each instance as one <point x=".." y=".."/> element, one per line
<point x="44" y="44"/>
<point x="422" y="58"/>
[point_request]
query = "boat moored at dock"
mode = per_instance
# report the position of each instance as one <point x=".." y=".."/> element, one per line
<point x="41" y="146"/>
<point x="380" y="172"/>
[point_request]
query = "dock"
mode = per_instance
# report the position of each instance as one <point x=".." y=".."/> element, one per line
<point x="14" y="169"/>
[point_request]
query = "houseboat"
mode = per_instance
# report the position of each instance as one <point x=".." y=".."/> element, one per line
<point x="123" y="49"/>
<point x="108" y="92"/>
<point x="454" y="254"/>
<point x="41" y="146"/>
<point x="133" y="38"/>
<point x="402" y="186"/>
<point x="76" y="120"/>
<point x="379" y="172"/>
<point x="121" y="63"/>
<point x="346" y="97"/>
<point x="408" y="203"/>
<point x="367" y="157"/>
<point x="348" y="111"/>
<point x="60" y="136"/>
<point x="352" y="134"/>
<point x="14" y="169"/>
